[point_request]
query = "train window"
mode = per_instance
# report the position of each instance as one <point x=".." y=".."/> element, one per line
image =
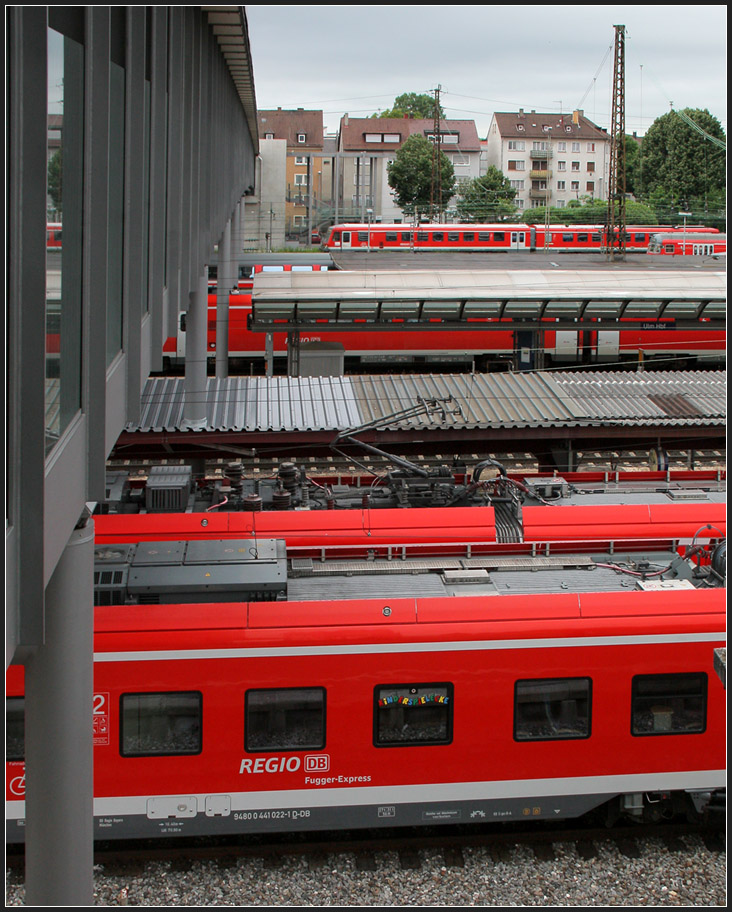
<point x="499" y="237"/>
<point x="568" y="238"/>
<point x="363" y="236"/>
<point x="596" y="239"/>
<point x="552" y="709"/>
<point x="15" y="728"/>
<point x="392" y="236"/>
<point x="405" y="237"/>
<point x="468" y="237"/>
<point x="640" y="238"/>
<point x="582" y="238"/>
<point x="423" y="236"/>
<point x="412" y="715"/>
<point x="290" y="718"/>
<point x="161" y="724"/>
<point x="438" y="236"/>
<point x="453" y="236"/>
<point x="336" y="237"/>
<point x="669" y="704"/>
<point x="484" y="236"/>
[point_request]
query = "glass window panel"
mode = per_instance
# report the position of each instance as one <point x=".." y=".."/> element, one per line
<point x="65" y="97"/>
<point x="146" y="201"/>
<point x="669" y="704"/>
<point x="115" y="202"/>
<point x="15" y="728"/>
<point x="552" y="709"/>
<point x="285" y="719"/>
<point x="412" y="715"/>
<point x="161" y="724"/>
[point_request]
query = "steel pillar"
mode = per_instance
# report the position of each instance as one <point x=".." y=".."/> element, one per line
<point x="59" y="847"/>
<point x="194" y="407"/>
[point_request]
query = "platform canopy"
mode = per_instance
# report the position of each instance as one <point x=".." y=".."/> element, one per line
<point x="533" y="299"/>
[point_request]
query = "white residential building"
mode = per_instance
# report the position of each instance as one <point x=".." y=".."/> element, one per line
<point x="550" y="159"/>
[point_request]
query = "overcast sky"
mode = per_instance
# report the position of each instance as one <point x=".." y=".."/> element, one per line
<point x="357" y="59"/>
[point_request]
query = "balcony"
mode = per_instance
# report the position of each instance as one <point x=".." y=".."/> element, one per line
<point x="539" y="194"/>
<point x="540" y="175"/>
<point x="541" y="154"/>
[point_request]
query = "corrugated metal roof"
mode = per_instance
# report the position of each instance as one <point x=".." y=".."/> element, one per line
<point x="669" y="397"/>
<point x="496" y="400"/>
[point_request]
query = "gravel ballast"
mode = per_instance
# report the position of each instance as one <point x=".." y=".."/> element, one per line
<point x="694" y="876"/>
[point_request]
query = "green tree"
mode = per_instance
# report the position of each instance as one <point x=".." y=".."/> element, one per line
<point x="411" y="177"/>
<point x="591" y="212"/>
<point x="55" y="183"/>
<point x="681" y="166"/>
<point x="486" y="199"/>
<point x="410" y="104"/>
<point x="633" y="170"/>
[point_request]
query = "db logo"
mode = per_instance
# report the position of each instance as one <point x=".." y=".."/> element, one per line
<point x="17" y="785"/>
<point x="317" y="763"/>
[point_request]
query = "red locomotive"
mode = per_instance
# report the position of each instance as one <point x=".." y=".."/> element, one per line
<point x="499" y="237"/>
<point x="251" y="686"/>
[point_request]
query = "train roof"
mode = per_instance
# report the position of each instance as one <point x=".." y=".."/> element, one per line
<point x="353" y="624"/>
<point x="506" y="226"/>
<point x="249" y="592"/>
<point x="695" y="236"/>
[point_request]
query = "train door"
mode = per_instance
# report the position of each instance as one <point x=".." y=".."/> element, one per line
<point x="608" y="345"/>
<point x="565" y="346"/>
<point x="345" y="240"/>
<point x="518" y="240"/>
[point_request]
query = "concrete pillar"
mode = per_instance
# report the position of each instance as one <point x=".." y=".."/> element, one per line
<point x="59" y="848"/>
<point x="226" y="280"/>
<point x="195" y="385"/>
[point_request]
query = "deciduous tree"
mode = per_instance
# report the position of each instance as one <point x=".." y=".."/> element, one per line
<point x="411" y="178"/>
<point x="486" y="199"/>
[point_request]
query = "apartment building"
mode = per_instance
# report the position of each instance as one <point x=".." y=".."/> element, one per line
<point x="366" y="147"/>
<point x="308" y="172"/>
<point x="550" y="159"/>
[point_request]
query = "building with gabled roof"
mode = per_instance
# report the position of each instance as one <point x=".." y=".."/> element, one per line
<point x="550" y="159"/>
<point x="366" y="147"/>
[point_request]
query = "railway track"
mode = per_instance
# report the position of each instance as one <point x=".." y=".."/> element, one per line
<point x="413" y="848"/>
<point x="262" y="465"/>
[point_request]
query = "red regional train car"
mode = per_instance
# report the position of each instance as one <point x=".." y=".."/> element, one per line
<point x="467" y="348"/>
<point x="427" y="695"/>
<point x="54" y="235"/>
<point x="678" y="244"/>
<point x="499" y="237"/>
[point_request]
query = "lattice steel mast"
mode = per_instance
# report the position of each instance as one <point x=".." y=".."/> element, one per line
<point x="616" y="188"/>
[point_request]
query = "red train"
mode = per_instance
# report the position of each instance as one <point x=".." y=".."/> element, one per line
<point x="463" y="348"/>
<point x="697" y="244"/>
<point x="54" y="235"/>
<point x="389" y="692"/>
<point x="500" y="237"/>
